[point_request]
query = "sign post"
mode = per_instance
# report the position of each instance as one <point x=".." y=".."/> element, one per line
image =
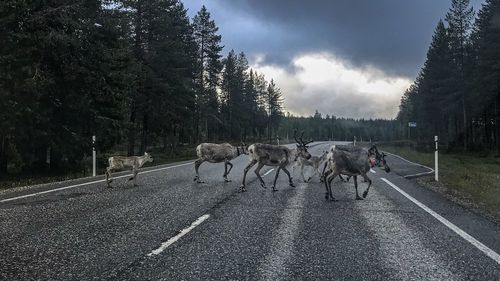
<point x="93" y="157"/>
<point x="436" y="170"/>
<point x="411" y="125"/>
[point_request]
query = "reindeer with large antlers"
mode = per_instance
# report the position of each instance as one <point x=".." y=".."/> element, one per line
<point x="276" y="156"/>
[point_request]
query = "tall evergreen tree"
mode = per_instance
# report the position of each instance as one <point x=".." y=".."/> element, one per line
<point x="274" y="107"/>
<point x="209" y="67"/>
<point x="435" y="101"/>
<point x="61" y="78"/>
<point x="459" y="18"/>
<point x="165" y="54"/>
<point x="486" y="37"/>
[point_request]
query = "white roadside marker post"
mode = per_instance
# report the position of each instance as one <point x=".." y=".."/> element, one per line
<point x="436" y="170"/>
<point x="93" y="157"/>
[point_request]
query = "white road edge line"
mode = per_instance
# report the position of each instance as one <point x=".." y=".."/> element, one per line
<point x="88" y="183"/>
<point x="489" y="252"/>
<point x="183" y="232"/>
<point x="404" y="159"/>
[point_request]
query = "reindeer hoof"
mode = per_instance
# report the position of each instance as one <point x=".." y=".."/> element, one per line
<point x="227" y="180"/>
<point x="292" y="185"/>
<point x="358" y="198"/>
<point x="110" y="181"/>
<point x="243" y="189"/>
<point x="365" y="194"/>
<point x="263" y="186"/>
<point x="327" y="196"/>
<point x="131" y="178"/>
<point x="195" y="179"/>
<point x="333" y="199"/>
<point x="109" y="186"/>
<point x="309" y="179"/>
<point x="274" y="188"/>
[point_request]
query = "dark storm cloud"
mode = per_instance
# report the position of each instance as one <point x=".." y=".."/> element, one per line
<point x="347" y="58"/>
<point x="392" y="35"/>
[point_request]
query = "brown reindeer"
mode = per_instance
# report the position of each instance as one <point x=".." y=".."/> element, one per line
<point x="350" y="161"/>
<point x="217" y="153"/>
<point x="275" y="156"/>
<point x="117" y="163"/>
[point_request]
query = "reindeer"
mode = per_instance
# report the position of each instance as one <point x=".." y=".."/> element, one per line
<point x="314" y="162"/>
<point x="351" y="161"/>
<point x="117" y="163"/>
<point x="378" y="159"/>
<point x="277" y="156"/>
<point x="216" y="153"/>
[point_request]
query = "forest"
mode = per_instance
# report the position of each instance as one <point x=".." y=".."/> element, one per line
<point x="456" y="94"/>
<point x="142" y="74"/>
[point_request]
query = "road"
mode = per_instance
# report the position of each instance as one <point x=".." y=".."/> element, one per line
<point x="170" y="228"/>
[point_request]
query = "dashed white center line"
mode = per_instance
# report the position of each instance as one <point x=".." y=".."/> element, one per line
<point x="372" y="171"/>
<point x="268" y="172"/>
<point x="183" y="232"/>
<point x="489" y="252"/>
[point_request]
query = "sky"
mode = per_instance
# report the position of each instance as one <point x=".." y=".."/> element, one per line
<point x="348" y="58"/>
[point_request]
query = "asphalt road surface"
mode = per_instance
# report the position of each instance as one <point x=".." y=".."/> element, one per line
<point x="170" y="228"/>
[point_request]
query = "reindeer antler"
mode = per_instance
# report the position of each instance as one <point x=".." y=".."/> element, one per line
<point x="295" y="136"/>
<point x="301" y="141"/>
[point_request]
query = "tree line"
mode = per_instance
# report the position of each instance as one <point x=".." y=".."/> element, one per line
<point x="143" y="74"/>
<point x="457" y="92"/>
<point x="330" y="127"/>
<point x="134" y="73"/>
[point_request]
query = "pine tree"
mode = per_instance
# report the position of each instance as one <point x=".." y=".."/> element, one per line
<point x="460" y="18"/>
<point x="165" y="57"/>
<point x="209" y="67"/>
<point x="435" y="86"/>
<point x="64" y="78"/>
<point x="274" y="107"/>
<point x="486" y="38"/>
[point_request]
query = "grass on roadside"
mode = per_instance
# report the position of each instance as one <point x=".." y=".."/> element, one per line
<point x="471" y="177"/>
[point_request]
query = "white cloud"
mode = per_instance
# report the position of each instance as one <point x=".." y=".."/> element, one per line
<point x="333" y="86"/>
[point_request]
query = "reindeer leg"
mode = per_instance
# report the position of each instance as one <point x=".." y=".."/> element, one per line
<point x="342" y="178"/>
<point x="247" y="168"/>
<point x="302" y="173"/>
<point x="365" y="193"/>
<point x="315" y="171"/>
<point x="318" y="173"/>
<point x="290" y="179"/>
<point x="228" y="171"/>
<point x="356" y="187"/>
<point x="276" y="178"/>
<point x="108" y="177"/>
<point x="136" y="171"/>
<point x="197" y="164"/>
<point x="257" y="172"/>
<point x="329" y="186"/>
<point x="225" y="171"/>
<point x="133" y="174"/>
<point x="325" y="176"/>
